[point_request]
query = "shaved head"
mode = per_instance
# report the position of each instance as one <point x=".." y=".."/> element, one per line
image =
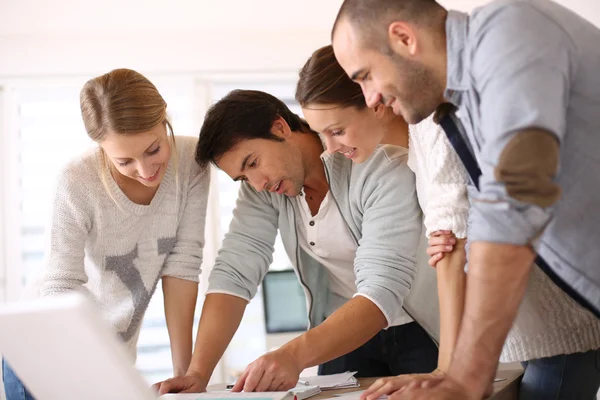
<point x="372" y="17"/>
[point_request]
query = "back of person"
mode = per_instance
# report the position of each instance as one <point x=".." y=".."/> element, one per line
<point x="569" y="242"/>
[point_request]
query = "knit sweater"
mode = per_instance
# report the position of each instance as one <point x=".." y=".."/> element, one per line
<point x="441" y="179"/>
<point x="549" y="322"/>
<point x="115" y="251"/>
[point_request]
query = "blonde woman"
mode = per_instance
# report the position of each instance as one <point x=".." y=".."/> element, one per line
<point x="127" y="215"/>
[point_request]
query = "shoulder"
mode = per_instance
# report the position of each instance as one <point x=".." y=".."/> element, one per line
<point x="186" y="159"/>
<point x="506" y="16"/>
<point x="81" y="172"/>
<point x="387" y="166"/>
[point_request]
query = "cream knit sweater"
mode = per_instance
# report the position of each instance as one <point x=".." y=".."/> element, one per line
<point x="549" y="322"/>
<point x="115" y="255"/>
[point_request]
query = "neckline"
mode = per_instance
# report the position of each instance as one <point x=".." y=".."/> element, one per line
<point x="135" y="208"/>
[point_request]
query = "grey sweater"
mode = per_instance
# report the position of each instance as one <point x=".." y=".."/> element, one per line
<point x="378" y="202"/>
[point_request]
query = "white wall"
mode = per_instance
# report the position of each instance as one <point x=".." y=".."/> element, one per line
<point x="66" y="37"/>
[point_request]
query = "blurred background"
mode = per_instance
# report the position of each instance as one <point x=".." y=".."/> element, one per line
<point x="195" y="51"/>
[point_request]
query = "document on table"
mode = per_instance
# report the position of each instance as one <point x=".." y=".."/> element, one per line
<point x="332" y="382"/>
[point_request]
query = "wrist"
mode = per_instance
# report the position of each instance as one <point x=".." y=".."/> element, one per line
<point x="293" y="351"/>
<point x="202" y="376"/>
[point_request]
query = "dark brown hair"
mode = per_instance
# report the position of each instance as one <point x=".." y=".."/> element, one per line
<point x="242" y="115"/>
<point x="323" y="81"/>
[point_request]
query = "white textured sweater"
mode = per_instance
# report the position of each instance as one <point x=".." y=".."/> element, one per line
<point x="549" y="322"/>
<point x="440" y="178"/>
<point x="116" y="255"/>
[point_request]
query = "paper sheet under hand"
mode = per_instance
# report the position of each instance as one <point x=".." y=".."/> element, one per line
<point x="331" y="382"/>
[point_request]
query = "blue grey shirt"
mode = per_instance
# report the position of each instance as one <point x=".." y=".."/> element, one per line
<point x="514" y="65"/>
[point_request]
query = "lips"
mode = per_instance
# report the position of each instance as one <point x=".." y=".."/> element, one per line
<point x="276" y="188"/>
<point x="152" y="177"/>
<point x="350" y="153"/>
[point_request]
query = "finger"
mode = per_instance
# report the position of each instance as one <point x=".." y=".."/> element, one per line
<point x="239" y="384"/>
<point x="390" y="387"/>
<point x="156" y="386"/>
<point x="435" y="259"/>
<point x="441" y="232"/>
<point x="282" y="387"/>
<point x="169" y="386"/>
<point x="373" y="388"/>
<point x="443" y="240"/>
<point x="254" y="377"/>
<point x="265" y="383"/>
<point x="433" y="250"/>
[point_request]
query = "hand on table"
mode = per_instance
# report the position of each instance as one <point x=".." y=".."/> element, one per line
<point x="275" y="371"/>
<point x="189" y="383"/>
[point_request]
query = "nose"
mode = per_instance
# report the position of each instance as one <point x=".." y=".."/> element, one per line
<point x="146" y="170"/>
<point x="257" y="180"/>
<point x="332" y="145"/>
<point x="372" y="97"/>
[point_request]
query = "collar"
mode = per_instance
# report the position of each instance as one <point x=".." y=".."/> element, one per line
<point x="457" y="27"/>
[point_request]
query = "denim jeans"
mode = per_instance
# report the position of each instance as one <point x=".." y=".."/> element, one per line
<point x="572" y="376"/>
<point x="404" y="349"/>
<point x="13" y="387"/>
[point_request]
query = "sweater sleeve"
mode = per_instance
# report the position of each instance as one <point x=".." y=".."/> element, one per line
<point x="444" y="180"/>
<point x="69" y="228"/>
<point x="385" y="262"/>
<point x="184" y="261"/>
<point x="247" y="249"/>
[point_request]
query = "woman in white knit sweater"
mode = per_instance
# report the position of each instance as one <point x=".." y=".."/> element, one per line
<point x="549" y="323"/>
<point x="127" y="215"/>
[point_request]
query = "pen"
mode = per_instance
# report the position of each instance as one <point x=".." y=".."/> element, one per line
<point x="305" y="383"/>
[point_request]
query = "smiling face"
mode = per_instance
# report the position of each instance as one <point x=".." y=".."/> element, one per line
<point x="396" y="78"/>
<point x="271" y="165"/>
<point x="142" y="157"/>
<point x="348" y="130"/>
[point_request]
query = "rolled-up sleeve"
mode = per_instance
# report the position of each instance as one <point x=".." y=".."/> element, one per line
<point x="521" y="73"/>
<point x="385" y="262"/>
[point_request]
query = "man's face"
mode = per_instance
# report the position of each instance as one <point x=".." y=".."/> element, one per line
<point x="404" y="84"/>
<point x="266" y="164"/>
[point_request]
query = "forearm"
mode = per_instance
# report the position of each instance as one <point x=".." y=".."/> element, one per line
<point x="180" y="303"/>
<point x="345" y="330"/>
<point x="451" y="280"/>
<point x="496" y="283"/>
<point x="221" y="316"/>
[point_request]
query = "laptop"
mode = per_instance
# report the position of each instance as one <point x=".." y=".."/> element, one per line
<point x="61" y="349"/>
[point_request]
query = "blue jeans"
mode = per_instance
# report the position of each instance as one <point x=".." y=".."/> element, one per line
<point x="13" y="387"/>
<point x="572" y="376"/>
<point x="404" y="349"/>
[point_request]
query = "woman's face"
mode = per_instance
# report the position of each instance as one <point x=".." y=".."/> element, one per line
<point x="348" y="130"/>
<point x="143" y="157"/>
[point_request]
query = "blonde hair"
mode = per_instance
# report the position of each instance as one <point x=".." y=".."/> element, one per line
<point x="122" y="101"/>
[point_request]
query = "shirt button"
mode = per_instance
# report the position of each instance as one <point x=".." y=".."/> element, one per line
<point x="312" y="243"/>
<point x="312" y="223"/>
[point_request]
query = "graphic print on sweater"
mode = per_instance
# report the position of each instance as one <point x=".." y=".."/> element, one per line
<point x="124" y="267"/>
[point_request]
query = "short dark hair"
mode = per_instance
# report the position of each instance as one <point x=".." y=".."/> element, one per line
<point x="374" y="16"/>
<point x="242" y="115"/>
<point x="323" y="81"/>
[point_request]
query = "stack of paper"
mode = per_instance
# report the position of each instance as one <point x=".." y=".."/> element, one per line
<point x="331" y="382"/>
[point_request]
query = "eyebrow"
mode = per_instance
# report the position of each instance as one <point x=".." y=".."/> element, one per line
<point x="145" y="151"/>
<point x="243" y="166"/>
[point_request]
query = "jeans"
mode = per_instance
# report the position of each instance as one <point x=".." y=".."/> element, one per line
<point x="404" y="349"/>
<point x="572" y="376"/>
<point x="13" y="387"/>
